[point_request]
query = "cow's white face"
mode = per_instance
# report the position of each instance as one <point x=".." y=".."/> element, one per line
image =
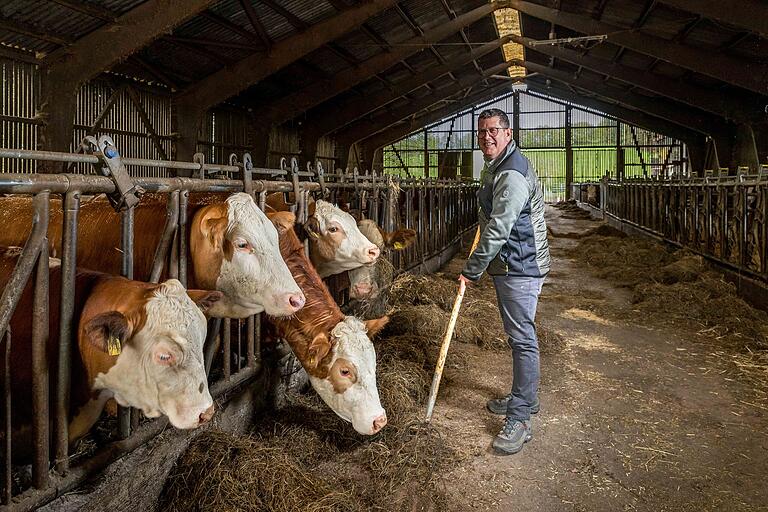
<point x="160" y="369"/>
<point x="350" y="387"/>
<point x="338" y="244"/>
<point x="251" y="273"/>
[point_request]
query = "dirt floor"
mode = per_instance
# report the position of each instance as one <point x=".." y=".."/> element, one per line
<point x="635" y="414"/>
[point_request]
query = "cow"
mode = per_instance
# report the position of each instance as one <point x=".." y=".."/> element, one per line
<point x="336" y="351"/>
<point x="139" y="343"/>
<point x="367" y="282"/>
<point x="337" y="244"/>
<point x="232" y="247"/>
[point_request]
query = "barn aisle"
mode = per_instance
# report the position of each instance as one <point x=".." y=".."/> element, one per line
<point x="637" y="413"/>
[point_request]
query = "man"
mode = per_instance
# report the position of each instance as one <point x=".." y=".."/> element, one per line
<point x="513" y="249"/>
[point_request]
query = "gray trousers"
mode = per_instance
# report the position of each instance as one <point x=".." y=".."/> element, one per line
<point x="517" y="298"/>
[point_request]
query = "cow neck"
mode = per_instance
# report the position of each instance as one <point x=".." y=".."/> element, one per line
<point x="320" y="313"/>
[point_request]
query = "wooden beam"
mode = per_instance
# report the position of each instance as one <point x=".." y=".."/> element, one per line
<point x="156" y="72"/>
<point x="386" y="119"/>
<point x="291" y="18"/>
<point x="749" y="14"/>
<point x="212" y="42"/>
<point x="136" y="100"/>
<point x="684" y="116"/>
<point x="626" y="115"/>
<point x="116" y="41"/>
<point x="399" y="131"/>
<point x="234" y="79"/>
<point x="302" y="100"/>
<point x="725" y="106"/>
<point x="253" y="17"/>
<point x="28" y="29"/>
<point x="232" y="27"/>
<point x="327" y="117"/>
<point x="730" y="69"/>
<point x="88" y="9"/>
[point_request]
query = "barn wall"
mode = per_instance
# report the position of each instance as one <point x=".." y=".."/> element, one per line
<point x="104" y="107"/>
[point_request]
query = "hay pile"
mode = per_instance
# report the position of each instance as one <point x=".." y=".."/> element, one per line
<point x="571" y="210"/>
<point x="676" y="287"/>
<point x="306" y="458"/>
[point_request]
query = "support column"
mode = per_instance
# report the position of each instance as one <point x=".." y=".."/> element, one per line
<point x="745" y="148"/>
<point x="258" y="139"/>
<point x="515" y="117"/>
<point x="697" y="151"/>
<point x="724" y="145"/>
<point x="56" y="109"/>
<point x="342" y="155"/>
<point x="619" y="153"/>
<point x="568" y="154"/>
<point x="309" y="140"/>
<point x="189" y="120"/>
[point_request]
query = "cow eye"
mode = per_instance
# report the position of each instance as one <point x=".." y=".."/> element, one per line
<point x="333" y="229"/>
<point x="242" y="244"/>
<point x="344" y="372"/>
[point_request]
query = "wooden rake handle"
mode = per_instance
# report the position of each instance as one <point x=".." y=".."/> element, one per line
<point x="447" y="339"/>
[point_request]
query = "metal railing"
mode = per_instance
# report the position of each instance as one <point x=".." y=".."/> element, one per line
<point x="724" y="218"/>
<point x="440" y="210"/>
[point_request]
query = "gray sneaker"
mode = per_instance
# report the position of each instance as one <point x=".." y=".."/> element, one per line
<point x="513" y="435"/>
<point x="499" y="405"/>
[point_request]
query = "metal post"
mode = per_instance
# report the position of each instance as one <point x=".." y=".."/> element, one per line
<point x="161" y="252"/>
<point x="225" y="343"/>
<point x="181" y="234"/>
<point x="40" y="332"/>
<point x="68" y="269"/>
<point x="126" y="245"/>
<point x="6" y="459"/>
<point x="568" y="154"/>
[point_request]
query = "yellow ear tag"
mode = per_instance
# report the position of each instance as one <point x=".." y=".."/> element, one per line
<point x="399" y="246"/>
<point x="312" y="360"/>
<point x="113" y="346"/>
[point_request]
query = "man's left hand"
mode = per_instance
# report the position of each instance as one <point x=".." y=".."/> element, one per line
<point x="464" y="280"/>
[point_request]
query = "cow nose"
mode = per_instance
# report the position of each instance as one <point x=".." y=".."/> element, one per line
<point x="373" y="253"/>
<point x="379" y="423"/>
<point x="296" y="301"/>
<point x="206" y="415"/>
<point x="362" y="290"/>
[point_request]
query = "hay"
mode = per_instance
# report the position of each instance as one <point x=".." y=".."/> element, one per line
<point x="550" y="342"/>
<point x="420" y="290"/>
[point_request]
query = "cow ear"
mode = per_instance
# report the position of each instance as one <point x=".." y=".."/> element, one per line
<point x="375" y="325"/>
<point x="213" y="230"/>
<point x="108" y="332"/>
<point x="311" y="206"/>
<point x="318" y="349"/>
<point x="400" y="239"/>
<point x="312" y="227"/>
<point x="204" y="299"/>
<point x="276" y="200"/>
<point x="283" y="221"/>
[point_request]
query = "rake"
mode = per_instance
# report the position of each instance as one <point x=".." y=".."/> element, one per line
<point x="447" y="339"/>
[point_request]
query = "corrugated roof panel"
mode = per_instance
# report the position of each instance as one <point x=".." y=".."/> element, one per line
<point x="360" y="45"/>
<point x="622" y="13"/>
<point x="709" y="35"/>
<point x="328" y="61"/>
<point x="310" y="11"/>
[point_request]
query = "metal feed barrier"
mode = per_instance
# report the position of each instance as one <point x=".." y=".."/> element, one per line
<point x="440" y="210"/>
<point x="724" y="218"/>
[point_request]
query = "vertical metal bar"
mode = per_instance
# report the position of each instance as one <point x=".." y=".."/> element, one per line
<point x="239" y="343"/>
<point x="214" y="324"/>
<point x="161" y="252"/>
<point x="7" y="454"/>
<point x="181" y="234"/>
<point x="568" y="154"/>
<point x="126" y="245"/>
<point x="40" y="332"/>
<point x="226" y="346"/>
<point x="254" y="322"/>
<point x="68" y="265"/>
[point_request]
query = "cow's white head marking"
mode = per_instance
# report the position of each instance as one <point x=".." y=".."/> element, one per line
<point x="350" y="385"/>
<point x="160" y="367"/>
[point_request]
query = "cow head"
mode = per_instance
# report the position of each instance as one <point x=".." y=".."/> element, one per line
<point x="365" y="283"/>
<point x="148" y="342"/>
<point x="342" y="369"/>
<point x="337" y="243"/>
<point x="235" y="250"/>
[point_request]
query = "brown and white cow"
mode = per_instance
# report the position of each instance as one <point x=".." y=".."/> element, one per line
<point x="337" y="243"/>
<point x="139" y="343"/>
<point x="232" y="247"/>
<point x="366" y="283"/>
<point x="336" y="351"/>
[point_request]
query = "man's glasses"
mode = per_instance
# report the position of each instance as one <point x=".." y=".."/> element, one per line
<point x="493" y="132"/>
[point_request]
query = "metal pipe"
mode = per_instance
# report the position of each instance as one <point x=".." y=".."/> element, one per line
<point x="254" y="322"/>
<point x="226" y="346"/>
<point x="214" y="324"/>
<point x="181" y="233"/>
<point x="126" y="246"/>
<point x="7" y="454"/>
<point x="26" y="262"/>
<point x="66" y="334"/>
<point x="40" y="330"/>
<point x="161" y="251"/>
